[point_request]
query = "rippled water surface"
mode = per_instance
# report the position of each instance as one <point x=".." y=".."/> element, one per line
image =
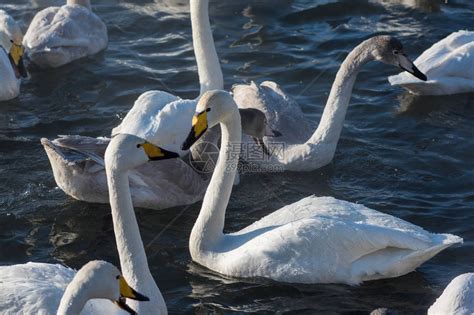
<point x="411" y="157"/>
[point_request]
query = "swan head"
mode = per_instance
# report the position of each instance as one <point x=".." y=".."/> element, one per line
<point x="389" y="50"/>
<point x="213" y="108"/>
<point x="102" y="280"/>
<point x="11" y="39"/>
<point x="126" y="152"/>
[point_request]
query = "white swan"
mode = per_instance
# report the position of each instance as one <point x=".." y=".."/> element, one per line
<point x="38" y="288"/>
<point x="11" y="57"/>
<point x="448" y="64"/>
<point x="314" y="240"/>
<point x="457" y="298"/>
<point x="300" y="149"/>
<point x="124" y="153"/>
<point x="60" y="35"/>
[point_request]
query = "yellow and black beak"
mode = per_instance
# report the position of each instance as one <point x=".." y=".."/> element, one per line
<point x="156" y="153"/>
<point x="16" y="59"/>
<point x="127" y="292"/>
<point x="199" y="127"/>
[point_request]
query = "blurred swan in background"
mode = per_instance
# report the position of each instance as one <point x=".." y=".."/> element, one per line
<point x="39" y="288"/>
<point x="314" y="240"/>
<point x="303" y="149"/>
<point x="457" y="298"/>
<point x="11" y="57"/>
<point x="448" y="64"/>
<point x="60" y="35"/>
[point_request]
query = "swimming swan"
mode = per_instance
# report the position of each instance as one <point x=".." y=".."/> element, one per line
<point x="448" y="64"/>
<point x="38" y="288"/>
<point x="11" y="57"/>
<point x="457" y="298"/>
<point x="314" y="240"/>
<point x="60" y="35"/>
<point x="305" y="150"/>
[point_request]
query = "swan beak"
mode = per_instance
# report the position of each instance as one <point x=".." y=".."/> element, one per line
<point x="156" y="153"/>
<point x="407" y="65"/>
<point x="199" y="127"/>
<point x="127" y="292"/>
<point x="16" y="58"/>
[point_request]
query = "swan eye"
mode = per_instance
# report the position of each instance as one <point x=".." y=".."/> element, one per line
<point x="208" y="109"/>
<point x="118" y="277"/>
<point x="395" y="52"/>
<point x="139" y="145"/>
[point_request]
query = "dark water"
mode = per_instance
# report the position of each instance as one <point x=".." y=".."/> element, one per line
<point x="412" y="157"/>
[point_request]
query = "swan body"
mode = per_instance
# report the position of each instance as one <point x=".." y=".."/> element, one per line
<point x="314" y="240"/>
<point x="60" y="35"/>
<point x="457" y="298"/>
<point x="79" y="170"/>
<point x="448" y="65"/>
<point x="10" y="72"/>
<point x="304" y="150"/>
<point x="39" y="288"/>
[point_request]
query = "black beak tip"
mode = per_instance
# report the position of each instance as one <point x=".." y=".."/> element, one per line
<point x="186" y="145"/>
<point x="141" y="297"/>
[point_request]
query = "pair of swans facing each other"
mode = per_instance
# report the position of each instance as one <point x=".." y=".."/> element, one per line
<point x="11" y="57"/>
<point x="59" y="35"/>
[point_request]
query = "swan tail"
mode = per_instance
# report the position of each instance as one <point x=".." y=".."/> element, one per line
<point x="394" y="262"/>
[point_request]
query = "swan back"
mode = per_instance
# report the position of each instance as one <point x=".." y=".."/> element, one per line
<point x="457" y="298"/>
<point x="159" y="118"/>
<point x="59" y="35"/>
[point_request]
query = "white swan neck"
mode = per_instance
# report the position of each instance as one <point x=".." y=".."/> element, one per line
<point x="133" y="260"/>
<point x="74" y="298"/>
<point x="332" y="120"/>
<point x="84" y="3"/>
<point x="209" y="226"/>
<point x="209" y="68"/>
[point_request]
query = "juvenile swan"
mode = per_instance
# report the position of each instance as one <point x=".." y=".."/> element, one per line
<point x="11" y="57"/>
<point x="457" y="297"/>
<point x="38" y="288"/>
<point x="304" y="151"/>
<point x="314" y="240"/>
<point x="60" y="35"/>
<point x="449" y="65"/>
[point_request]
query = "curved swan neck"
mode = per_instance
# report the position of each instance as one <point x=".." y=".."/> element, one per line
<point x="133" y="260"/>
<point x="84" y="3"/>
<point x="209" y="68"/>
<point x="209" y="226"/>
<point x="74" y="298"/>
<point x="332" y="120"/>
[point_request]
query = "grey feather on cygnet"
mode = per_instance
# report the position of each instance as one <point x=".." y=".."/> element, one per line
<point x="254" y="124"/>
